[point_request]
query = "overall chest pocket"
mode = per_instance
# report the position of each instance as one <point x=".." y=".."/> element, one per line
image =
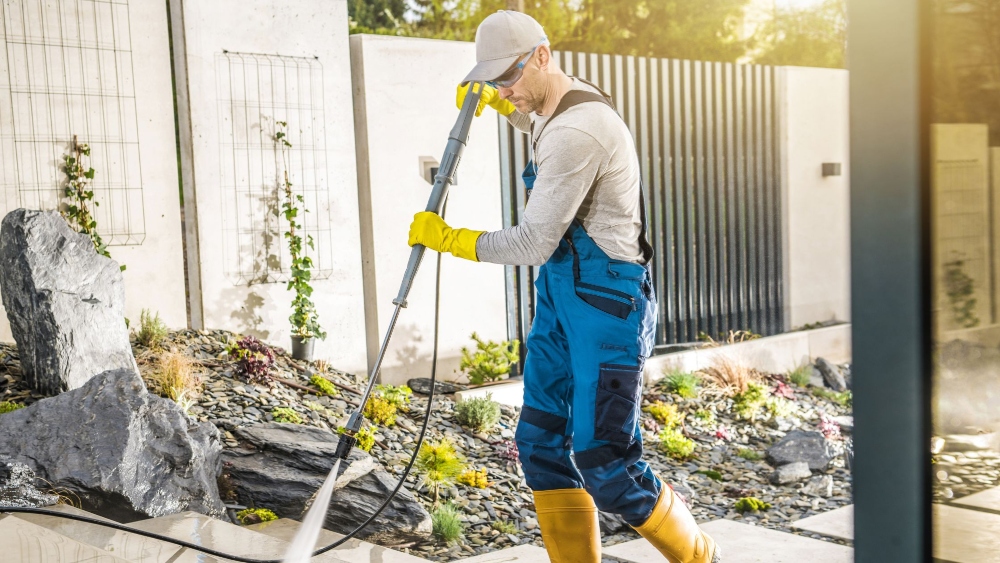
<point x="616" y="414"/>
<point x="611" y="301"/>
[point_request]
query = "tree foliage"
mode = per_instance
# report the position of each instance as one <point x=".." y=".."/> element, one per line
<point x="810" y="36"/>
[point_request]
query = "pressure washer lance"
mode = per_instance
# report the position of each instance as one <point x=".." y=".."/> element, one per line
<point x="442" y="182"/>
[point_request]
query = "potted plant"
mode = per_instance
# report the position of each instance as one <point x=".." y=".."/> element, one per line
<point x="305" y="320"/>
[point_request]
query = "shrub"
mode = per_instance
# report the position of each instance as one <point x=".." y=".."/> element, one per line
<point x="842" y="398"/>
<point x="398" y="396"/>
<point x="152" y="331"/>
<point x="380" y="411"/>
<point x="777" y="407"/>
<point x="491" y="360"/>
<point x="323" y="384"/>
<point x="480" y="413"/>
<point x="508" y="450"/>
<point x="313" y="406"/>
<point x="7" y="406"/>
<point x="254" y="360"/>
<point x="684" y="385"/>
<point x="665" y="414"/>
<point x="255" y="516"/>
<point x="446" y="524"/>
<point x="750" y="504"/>
<point x="747" y="404"/>
<point x="440" y="464"/>
<point x="504" y="527"/>
<point x="175" y="379"/>
<point x="801" y="375"/>
<point x="729" y="376"/>
<point x="675" y="445"/>
<point x="473" y="478"/>
<point x="711" y="474"/>
<point x="705" y="415"/>
<point x="829" y="428"/>
<point x="750" y="455"/>
<point x="286" y="415"/>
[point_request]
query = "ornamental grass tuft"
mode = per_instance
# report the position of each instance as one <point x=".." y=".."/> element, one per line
<point x="479" y="413"/>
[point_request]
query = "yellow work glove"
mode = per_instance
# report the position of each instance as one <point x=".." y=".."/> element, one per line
<point x="490" y="98"/>
<point x="430" y="230"/>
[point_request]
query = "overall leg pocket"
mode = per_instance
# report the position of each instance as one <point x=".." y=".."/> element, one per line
<point x="616" y="414"/>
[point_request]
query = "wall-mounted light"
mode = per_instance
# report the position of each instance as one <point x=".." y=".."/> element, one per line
<point x="831" y="169"/>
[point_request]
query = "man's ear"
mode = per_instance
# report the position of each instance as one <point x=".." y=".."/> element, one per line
<point x="543" y="57"/>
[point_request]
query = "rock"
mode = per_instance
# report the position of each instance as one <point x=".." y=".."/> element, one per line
<point x="17" y="487"/>
<point x="971" y="442"/>
<point x="809" y="447"/>
<point x="820" y="486"/>
<point x="816" y="378"/>
<point x="846" y="371"/>
<point x="65" y="302"/>
<point x="283" y="465"/>
<point x="422" y="385"/>
<point x="791" y="473"/>
<point x="127" y="454"/>
<point x="846" y="423"/>
<point x="610" y="523"/>
<point x="831" y="375"/>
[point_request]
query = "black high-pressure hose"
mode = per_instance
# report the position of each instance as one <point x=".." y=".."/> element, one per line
<point x="438" y="202"/>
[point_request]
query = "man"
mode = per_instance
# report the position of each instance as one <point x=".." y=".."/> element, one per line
<point x="578" y="436"/>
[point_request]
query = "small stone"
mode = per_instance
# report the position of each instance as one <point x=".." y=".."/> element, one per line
<point x="821" y="486"/>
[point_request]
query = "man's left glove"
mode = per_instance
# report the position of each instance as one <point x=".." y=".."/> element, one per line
<point x="430" y="230"/>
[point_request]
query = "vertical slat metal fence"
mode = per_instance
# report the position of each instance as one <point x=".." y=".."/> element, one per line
<point x="708" y="144"/>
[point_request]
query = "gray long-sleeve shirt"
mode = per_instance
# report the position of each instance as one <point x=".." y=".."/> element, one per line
<point x="587" y="169"/>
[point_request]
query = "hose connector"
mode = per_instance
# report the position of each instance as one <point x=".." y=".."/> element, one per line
<point x="348" y="439"/>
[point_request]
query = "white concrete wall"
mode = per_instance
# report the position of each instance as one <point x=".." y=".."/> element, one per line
<point x="154" y="278"/>
<point x="405" y="107"/>
<point x="316" y="33"/>
<point x="816" y="209"/>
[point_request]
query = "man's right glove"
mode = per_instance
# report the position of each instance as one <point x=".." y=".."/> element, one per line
<point x="490" y="98"/>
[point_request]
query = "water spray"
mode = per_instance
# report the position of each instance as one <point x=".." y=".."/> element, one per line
<point x="310" y="528"/>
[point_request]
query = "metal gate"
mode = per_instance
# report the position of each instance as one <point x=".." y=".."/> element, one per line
<point x="708" y="143"/>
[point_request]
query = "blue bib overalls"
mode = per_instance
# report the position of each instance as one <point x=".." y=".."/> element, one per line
<point x="594" y="326"/>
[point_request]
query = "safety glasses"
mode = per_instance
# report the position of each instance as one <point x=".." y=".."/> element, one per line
<point x="512" y="75"/>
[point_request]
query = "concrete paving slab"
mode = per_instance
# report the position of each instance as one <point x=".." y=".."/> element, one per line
<point x="987" y="500"/>
<point x="742" y="543"/>
<point x="222" y="536"/>
<point x="352" y="550"/>
<point x="966" y="536"/>
<point x="518" y="554"/>
<point x="27" y="542"/>
<point x="837" y="523"/>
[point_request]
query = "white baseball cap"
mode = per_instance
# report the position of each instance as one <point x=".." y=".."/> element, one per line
<point x="501" y="39"/>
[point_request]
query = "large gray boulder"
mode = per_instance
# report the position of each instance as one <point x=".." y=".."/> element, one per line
<point x="127" y="454"/>
<point x="831" y="375"/>
<point x="17" y="487"/>
<point x="811" y="448"/>
<point x="65" y="302"/>
<point x="282" y="465"/>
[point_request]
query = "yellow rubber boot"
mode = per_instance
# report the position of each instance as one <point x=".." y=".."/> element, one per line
<point x="672" y="530"/>
<point x="568" y="519"/>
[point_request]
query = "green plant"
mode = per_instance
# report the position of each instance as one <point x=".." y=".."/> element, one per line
<point x="665" y="414"/>
<point x="705" y="415"/>
<point x="504" y="526"/>
<point x="478" y="479"/>
<point x="323" y="384"/>
<point x="750" y="504"/>
<point x="380" y="411"/>
<point x="960" y="288"/>
<point x="711" y="474"/>
<point x="254" y="360"/>
<point x="446" y="524"/>
<point x="313" y="406"/>
<point x="675" y="444"/>
<point x="729" y="376"/>
<point x="748" y="404"/>
<point x="79" y="192"/>
<point x="479" y="413"/>
<point x="801" y="375"/>
<point x="174" y="378"/>
<point x="491" y="361"/>
<point x="152" y="330"/>
<point x="7" y="406"/>
<point x="255" y="516"/>
<point x="440" y="464"/>
<point x="397" y="395"/>
<point x="286" y="415"/>
<point x="732" y="337"/>
<point x="777" y="407"/>
<point x="684" y="385"/>
<point x="365" y="437"/>
<point x="304" y="318"/>
<point x="750" y="455"/>
<point x="842" y="398"/>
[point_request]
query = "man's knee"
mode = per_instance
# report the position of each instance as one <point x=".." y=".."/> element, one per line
<point x="544" y="451"/>
<point x="618" y="481"/>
